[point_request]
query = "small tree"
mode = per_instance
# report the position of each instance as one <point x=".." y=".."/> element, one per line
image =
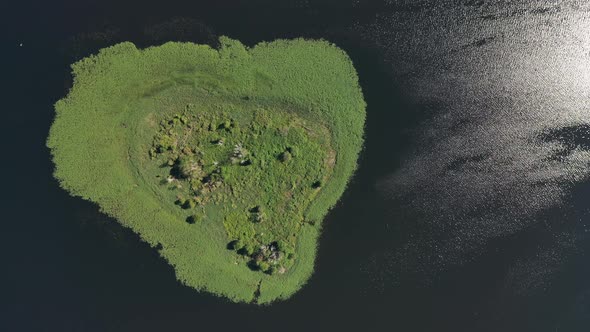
<point x="294" y="151"/>
<point x="271" y="270"/>
<point x="186" y="167"/>
<point x="226" y="125"/>
<point x="165" y="142"/>
<point x="248" y="249"/>
<point x="153" y="152"/>
<point x="263" y="265"/>
<point x="237" y="244"/>
<point x="180" y="201"/>
<point x="285" y="247"/>
<point x="258" y="217"/>
<point x="256" y="214"/>
<point x="285" y="156"/>
<point x="192" y="219"/>
<point x="189" y="204"/>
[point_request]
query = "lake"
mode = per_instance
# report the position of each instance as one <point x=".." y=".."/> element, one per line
<point x="468" y="212"/>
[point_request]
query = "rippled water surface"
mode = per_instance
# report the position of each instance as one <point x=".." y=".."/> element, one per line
<point x="469" y="210"/>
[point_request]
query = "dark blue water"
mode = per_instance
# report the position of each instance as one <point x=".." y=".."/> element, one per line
<point x="469" y="210"/>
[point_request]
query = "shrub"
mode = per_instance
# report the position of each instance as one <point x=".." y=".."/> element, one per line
<point x="225" y="125"/>
<point x="271" y="270"/>
<point x="180" y="201"/>
<point x="258" y="217"/>
<point x="285" y="156"/>
<point x="247" y="249"/>
<point x="235" y="245"/>
<point x="186" y="167"/>
<point x="153" y="152"/>
<point x="189" y="204"/>
<point x="196" y="184"/>
<point x="192" y="219"/>
<point x="256" y="214"/>
<point x="285" y="247"/>
<point x="166" y="143"/>
<point x="263" y="265"/>
<point x="294" y="151"/>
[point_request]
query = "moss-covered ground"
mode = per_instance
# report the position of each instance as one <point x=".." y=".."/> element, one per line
<point x="225" y="160"/>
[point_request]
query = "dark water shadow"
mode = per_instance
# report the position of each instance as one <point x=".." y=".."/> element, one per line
<point x="569" y="138"/>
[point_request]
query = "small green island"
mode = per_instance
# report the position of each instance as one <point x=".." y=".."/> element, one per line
<point x="224" y="160"/>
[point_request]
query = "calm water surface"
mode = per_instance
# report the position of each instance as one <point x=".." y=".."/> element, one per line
<point x="469" y="210"/>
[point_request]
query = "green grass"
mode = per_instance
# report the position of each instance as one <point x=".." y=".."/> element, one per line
<point x="139" y="134"/>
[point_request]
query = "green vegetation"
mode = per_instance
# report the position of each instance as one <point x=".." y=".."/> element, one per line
<point x="224" y="160"/>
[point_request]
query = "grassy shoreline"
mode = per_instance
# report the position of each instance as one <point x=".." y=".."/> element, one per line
<point x="99" y="138"/>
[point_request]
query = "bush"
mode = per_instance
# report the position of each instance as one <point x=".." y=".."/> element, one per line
<point x="247" y="249"/>
<point x="271" y="270"/>
<point x="258" y="217"/>
<point x="196" y="184"/>
<point x="187" y="167"/>
<point x="180" y="201"/>
<point x="285" y="156"/>
<point x="225" y="125"/>
<point x="263" y="265"/>
<point x="193" y="219"/>
<point x="166" y="143"/>
<point x="235" y="245"/>
<point x="285" y="247"/>
<point x="256" y="214"/>
<point x="189" y="204"/>
<point x="294" y="151"/>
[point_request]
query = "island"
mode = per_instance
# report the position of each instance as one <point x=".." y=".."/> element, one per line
<point x="225" y="159"/>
